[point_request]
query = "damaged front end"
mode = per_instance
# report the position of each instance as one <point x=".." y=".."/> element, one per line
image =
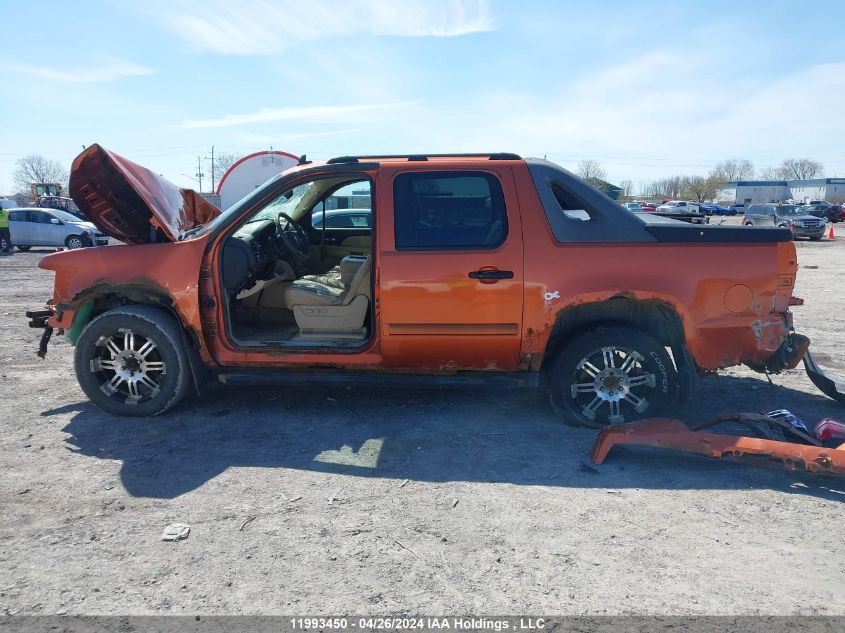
<point x="777" y="435"/>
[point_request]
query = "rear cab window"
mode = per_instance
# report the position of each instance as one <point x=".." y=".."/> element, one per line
<point x="448" y="211"/>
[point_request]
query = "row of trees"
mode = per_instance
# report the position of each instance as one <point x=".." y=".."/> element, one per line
<point x="37" y="168"/>
<point x="701" y="188"/>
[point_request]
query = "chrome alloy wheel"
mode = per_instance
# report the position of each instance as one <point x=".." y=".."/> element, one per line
<point x="612" y="376"/>
<point x="128" y="366"/>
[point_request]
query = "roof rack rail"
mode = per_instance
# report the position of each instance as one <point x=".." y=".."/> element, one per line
<point x="425" y="157"/>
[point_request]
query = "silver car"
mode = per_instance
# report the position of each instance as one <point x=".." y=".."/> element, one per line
<point x="788" y="216"/>
<point x="51" y="227"/>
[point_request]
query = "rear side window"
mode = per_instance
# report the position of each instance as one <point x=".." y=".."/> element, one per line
<point x="448" y="210"/>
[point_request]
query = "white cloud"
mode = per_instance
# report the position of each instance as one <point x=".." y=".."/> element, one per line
<point x="324" y="113"/>
<point x="262" y="28"/>
<point x="111" y="69"/>
<point x="656" y="118"/>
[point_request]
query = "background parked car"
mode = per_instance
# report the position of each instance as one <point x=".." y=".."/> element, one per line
<point x="788" y="216"/>
<point x="633" y="206"/>
<point x="648" y="206"/>
<point x="739" y="207"/>
<point x="343" y="219"/>
<point x="826" y="211"/>
<point x="42" y="227"/>
<point x="679" y="206"/>
<point x="819" y="203"/>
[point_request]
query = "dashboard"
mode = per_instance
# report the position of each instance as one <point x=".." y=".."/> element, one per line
<point x="250" y="254"/>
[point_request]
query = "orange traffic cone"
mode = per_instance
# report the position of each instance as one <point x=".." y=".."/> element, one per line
<point x="830" y="232"/>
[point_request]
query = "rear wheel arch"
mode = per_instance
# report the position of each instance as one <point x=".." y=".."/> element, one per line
<point x="658" y="319"/>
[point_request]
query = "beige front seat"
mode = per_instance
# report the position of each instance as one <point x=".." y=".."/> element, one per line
<point x="323" y="310"/>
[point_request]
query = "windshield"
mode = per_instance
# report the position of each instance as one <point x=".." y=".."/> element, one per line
<point x="233" y="210"/>
<point x="64" y="216"/>
<point x="287" y="203"/>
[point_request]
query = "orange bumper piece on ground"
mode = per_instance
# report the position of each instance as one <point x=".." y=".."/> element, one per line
<point x="669" y="433"/>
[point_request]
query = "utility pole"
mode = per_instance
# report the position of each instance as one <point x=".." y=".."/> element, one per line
<point x="199" y="172"/>
<point x="212" y="169"/>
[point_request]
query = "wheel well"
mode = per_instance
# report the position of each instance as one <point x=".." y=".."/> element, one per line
<point x="653" y="317"/>
<point x="105" y="301"/>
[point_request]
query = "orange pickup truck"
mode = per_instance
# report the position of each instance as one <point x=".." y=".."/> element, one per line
<point x="470" y="269"/>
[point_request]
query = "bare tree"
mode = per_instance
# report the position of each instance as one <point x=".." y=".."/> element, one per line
<point x="794" y="169"/>
<point x="672" y="186"/>
<point x="733" y="170"/>
<point x="770" y="173"/>
<point x="222" y="162"/>
<point x="801" y="169"/>
<point x="702" y="188"/>
<point x="591" y="171"/>
<point x="627" y="187"/>
<point x="37" y="168"/>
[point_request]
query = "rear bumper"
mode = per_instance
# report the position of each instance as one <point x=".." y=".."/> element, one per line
<point x="789" y="354"/>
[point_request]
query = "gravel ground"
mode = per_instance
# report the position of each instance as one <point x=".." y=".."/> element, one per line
<point x="336" y="501"/>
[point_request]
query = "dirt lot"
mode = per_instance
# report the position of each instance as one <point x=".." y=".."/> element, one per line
<point x="342" y="501"/>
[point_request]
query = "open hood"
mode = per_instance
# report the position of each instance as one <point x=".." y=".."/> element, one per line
<point x="131" y="203"/>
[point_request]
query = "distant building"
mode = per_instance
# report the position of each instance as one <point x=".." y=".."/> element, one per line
<point x="757" y="191"/>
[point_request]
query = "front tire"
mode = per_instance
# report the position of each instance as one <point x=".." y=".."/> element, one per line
<point x="23" y="249"/>
<point x="132" y="361"/>
<point x="611" y="375"/>
<point x="74" y="241"/>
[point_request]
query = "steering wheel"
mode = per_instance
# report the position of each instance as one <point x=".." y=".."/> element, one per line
<point x="291" y="235"/>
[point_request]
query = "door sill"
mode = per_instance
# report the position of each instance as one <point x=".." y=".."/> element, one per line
<point x="294" y="377"/>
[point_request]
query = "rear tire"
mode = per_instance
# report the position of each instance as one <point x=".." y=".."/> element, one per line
<point x="611" y="375"/>
<point x="5" y="245"/>
<point x="132" y="361"/>
<point x="23" y="249"/>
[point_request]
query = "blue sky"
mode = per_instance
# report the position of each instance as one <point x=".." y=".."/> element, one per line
<point x="648" y="88"/>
